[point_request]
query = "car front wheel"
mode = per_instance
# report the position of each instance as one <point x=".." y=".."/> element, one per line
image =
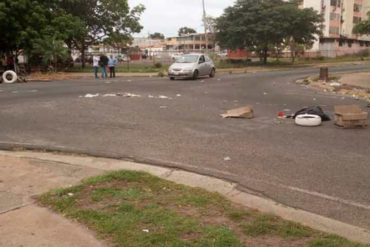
<point x="213" y="73"/>
<point x="195" y="74"/>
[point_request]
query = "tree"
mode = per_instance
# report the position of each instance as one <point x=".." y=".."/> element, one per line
<point x="302" y="28"/>
<point x="51" y="49"/>
<point x="20" y="23"/>
<point x="262" y="25"/>
<point x="186" y="30"/>
<point x="156" y="36"/>
<point x="363" y="27"/>
<point x="111" y="21"/>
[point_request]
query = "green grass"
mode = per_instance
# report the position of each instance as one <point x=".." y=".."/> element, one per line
<point x="266" y="224"/>
<point x="332" y="241"/>
<point x="134" y="209"/>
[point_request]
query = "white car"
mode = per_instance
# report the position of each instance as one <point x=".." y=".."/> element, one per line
<point x="192" y="66"/>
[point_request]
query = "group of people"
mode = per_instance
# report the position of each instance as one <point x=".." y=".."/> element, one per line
<point x="104" y="63"/>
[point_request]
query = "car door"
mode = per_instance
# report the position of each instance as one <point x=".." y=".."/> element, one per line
<point x="202" y="67"/>
<point x="208" y="65"/>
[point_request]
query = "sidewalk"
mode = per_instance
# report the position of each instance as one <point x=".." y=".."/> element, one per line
<point x="22" y="222"/>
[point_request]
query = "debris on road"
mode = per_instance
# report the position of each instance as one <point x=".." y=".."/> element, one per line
<point x="91" y="95"/>
<point x="308" y="120"/>
<point x="129" y="95"/>
<point x="243" y="112"/>
<point x="335" y="84"/>
<point x="163" y="97"/>
<point x="227" y="158"/>
<point x="313" y="110"/>
<point x="348" y="116"/>
<point x="163" y="107"/>
<point x="110" y="95"/>
<point x="264" y="93"/>
<point x="178" y="95"/>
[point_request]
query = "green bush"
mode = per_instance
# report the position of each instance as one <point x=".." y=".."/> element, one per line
<point x="158" y="65"/>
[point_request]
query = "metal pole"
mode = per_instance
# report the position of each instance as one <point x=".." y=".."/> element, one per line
<point x="205" y="24"/>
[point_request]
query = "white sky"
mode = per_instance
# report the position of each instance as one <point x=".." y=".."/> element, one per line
<point x="167" y="16"/>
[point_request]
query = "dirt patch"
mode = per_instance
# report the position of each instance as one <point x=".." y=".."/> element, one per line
<point x="338" y="86"/>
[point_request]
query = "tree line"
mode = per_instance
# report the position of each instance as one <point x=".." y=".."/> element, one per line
<point x="45" y="27"/>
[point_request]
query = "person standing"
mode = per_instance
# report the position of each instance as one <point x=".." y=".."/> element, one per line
<point x="103" y="64"/>
<point x="96" y="60"/>
<point x="112" y="66"/>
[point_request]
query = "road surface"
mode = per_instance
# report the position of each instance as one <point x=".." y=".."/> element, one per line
<point x="324" y="170"/>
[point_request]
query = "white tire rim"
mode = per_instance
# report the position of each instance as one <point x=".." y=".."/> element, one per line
<point x="12" y="74"/>
<point x="308" y="120"/>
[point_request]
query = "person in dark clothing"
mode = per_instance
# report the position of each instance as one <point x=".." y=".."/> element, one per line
<point x="103" y="64"/>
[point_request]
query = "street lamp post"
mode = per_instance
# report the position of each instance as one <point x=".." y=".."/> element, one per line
<point x="205" y="23"/>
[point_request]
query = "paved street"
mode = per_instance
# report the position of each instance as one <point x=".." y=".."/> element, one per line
<point x="324" y="170"/>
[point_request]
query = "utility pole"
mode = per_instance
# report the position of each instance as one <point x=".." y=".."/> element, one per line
<point x="205" y="24"/>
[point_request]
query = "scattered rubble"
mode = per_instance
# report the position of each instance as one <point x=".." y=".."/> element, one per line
<point x="334" y="86"/>
<point x="91" y="95"/>
<point x="243" y="112"/>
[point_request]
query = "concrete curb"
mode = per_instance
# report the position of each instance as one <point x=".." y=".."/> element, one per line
<point x="229" y="190"/>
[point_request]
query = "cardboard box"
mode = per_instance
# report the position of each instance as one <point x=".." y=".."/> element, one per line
<point x="243" y="112"/>
<point x="348" y="116"/>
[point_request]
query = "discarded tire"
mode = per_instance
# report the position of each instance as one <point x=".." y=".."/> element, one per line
<point x="308" y="120"/>
<point x="9" y="76"/>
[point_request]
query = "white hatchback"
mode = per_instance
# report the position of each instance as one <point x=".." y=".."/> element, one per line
<point x="192" y="66"/>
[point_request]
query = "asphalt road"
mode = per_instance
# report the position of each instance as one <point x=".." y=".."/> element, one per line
<point x="325" y="170"/>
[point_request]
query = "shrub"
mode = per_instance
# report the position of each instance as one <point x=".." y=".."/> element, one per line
<point x="158" y="65"/>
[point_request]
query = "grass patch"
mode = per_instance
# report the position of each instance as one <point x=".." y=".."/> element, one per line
<point x="332" y="241"/>
<point x="135" y="209"/>
<point x="265" y="224"/>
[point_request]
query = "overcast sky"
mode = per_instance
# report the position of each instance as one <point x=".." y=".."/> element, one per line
<point x="167" y="16"/>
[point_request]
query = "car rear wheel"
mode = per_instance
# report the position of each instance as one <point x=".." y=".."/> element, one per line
<point x="172" y="78"/>
<point x="213" y="73"/>
<point x="195" y="74"/>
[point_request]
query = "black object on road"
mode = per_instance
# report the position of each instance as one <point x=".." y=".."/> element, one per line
<point x="314" y="110"/>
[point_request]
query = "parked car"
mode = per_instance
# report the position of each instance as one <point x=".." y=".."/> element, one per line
<point x="176" y="56"/>
<point x="192" y="66"/>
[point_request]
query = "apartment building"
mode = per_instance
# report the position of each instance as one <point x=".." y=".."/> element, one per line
<point x="191" y="42"/>
<point x="340" y="16"/>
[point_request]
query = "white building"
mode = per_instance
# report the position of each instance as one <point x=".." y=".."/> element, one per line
<point x="340" y="16"/>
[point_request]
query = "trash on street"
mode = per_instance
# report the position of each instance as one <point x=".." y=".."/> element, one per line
<point x="243" y="112"/>
<point x="349" y="116"/>
<point x="308" y="120"/>
<point x="313" y="110"/>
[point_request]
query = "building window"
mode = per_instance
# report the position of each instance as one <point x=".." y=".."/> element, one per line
<point x="334" y="16"/>
<point x="334" y="30"/>
<point x="356" y="19"/>
<point x="335" y="3"/>
<point x="357" y="7"/>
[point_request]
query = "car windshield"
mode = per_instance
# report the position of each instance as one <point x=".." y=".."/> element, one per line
<point x="187" y="59"/>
